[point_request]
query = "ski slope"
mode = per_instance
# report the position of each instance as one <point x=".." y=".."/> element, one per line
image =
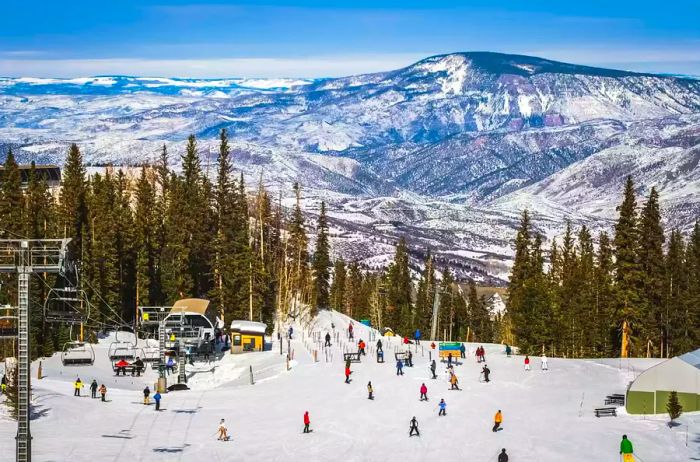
<point x="548" y="416"/>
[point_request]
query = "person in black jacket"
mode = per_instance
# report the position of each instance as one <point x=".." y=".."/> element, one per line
<point x="328" y="339"/>
<point x="137" y="367"/>
<point x="93" y="389"/>
<point x="414" y="427"/>
<point x="433" y="366"/>
<point x="503" y="457"/>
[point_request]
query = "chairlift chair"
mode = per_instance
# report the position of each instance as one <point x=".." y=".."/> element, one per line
<point x="78" y="354"/>
<point x="62" y="306"/>
<point x="8" y="327"/>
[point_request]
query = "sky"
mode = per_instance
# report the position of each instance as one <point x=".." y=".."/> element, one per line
<point x="313" y="38"/>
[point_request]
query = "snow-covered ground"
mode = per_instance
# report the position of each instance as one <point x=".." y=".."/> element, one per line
<point x="548" y="416"/>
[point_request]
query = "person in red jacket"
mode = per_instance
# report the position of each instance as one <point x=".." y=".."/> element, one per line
<point x="423" y="393"/>
<point x="361" y="347"/>
<point x="347" y="374"/>
<point x="307" y="422"/>
<point x="121" y="367"/>
<point x="527" y="363"/>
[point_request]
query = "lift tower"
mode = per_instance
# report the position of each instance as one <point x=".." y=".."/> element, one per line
<point x="24" y="257"/>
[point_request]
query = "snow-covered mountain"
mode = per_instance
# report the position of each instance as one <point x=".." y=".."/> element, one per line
<point x="445" y="151"/>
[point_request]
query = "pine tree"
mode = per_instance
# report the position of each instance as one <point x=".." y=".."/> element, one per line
<point x="399" y="310"/>
<point x="675" y="314"/>
<point x="692" y="305"/>
<point x="146" y="224"/>
<point x="651" y="263"/>
<point x="73" y="216"/>
<point x="298" y="252"/>
<point x="628" y="272"/>
<point x="426" y="295"/>
<point x="321" y="263"/>
<point x="337" y="291"/>
<point x="604" y="306"/>
<point x="673" y="407"/>
<point x="11" y="200"/>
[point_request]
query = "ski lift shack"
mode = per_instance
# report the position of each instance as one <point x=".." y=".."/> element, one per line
<point x="247" y="336"/>
<point x="195" y="328"/>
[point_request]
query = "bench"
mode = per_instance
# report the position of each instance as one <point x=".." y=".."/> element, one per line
<point x="606" y="411"/>
<point x="615" y="399"/>
<point x="352" y="357"/>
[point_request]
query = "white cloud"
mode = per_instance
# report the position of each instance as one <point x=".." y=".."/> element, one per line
<point x="315" y="66"/>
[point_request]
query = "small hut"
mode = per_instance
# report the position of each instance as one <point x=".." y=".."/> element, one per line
<point x="247" y="336"/>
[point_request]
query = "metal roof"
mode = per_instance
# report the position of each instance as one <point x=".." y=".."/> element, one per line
<point x="692" y="358"/>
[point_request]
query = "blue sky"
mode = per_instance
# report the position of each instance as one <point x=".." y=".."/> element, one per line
<point x="310" y="38"/>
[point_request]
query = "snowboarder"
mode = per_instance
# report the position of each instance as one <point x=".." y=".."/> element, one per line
<point x="423" y="393"/>
<point x="170" y="365"/>
<point x="486" y="371"/>
<point x="156" y="398"/>
<point x="290" y="332"/>
<point x="416" y="336"/>
<point x="361" y="348"/>
<point x="146" y="394"/>
<point x="78" y="385"/>
<point x="527" y="363"/>
<point x="93" y="389"/>
<point x="379" y="345"/>
<point x="414" y="427"/>
<point x="503" y="457"/>
<point x="544" y="362"/>
<point x="443" y="406"/>
<point x="103" y="392"/>
<point x="347" y="374"/>
<point x="121" y="367"/>
<point x="223" y="431"/>
<point x="399" y="367"/>
<point x="497" y="420"/>
<point x="137" y="367"/>
<point x="328" y="339"/>
<point x="462" y="351"/>
<point x="307" y="422"/>
<point x="333" y="326"/>
<point x="626" y="449"/>
<point x="433" y="366"/>
<point x="453" y="382"/>
<point x="409" y="360"/>
<point x="380" y="356"/>
<point x="508" y="351"/>
<point x="370" y="390"/>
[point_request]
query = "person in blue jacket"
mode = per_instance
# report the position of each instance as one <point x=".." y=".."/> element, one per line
<point x="417" y="336"/>
<point x="443" y="406"/>
<point x="399" y="367"/>
<point x="157" y="397"/>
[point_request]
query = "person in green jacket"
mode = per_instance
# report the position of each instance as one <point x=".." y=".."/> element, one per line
<point x="626" y="449"/>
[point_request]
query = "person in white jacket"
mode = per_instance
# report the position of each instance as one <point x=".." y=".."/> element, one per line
<point x="544" y="362"/>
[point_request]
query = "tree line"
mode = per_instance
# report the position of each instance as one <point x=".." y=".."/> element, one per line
<point x="641" y="279"/>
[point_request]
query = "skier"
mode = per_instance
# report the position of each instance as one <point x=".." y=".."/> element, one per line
<point x="423" y="393"/>
<point x="347" y="374"/>
<point x="483" y="354"/>
<point x="361" y="348"/>
<point x="508" y="351"/>
<point x="103" y="392"/>
<point x="93" y="389"/>
<point x="170" y="365"/>
<point x="486" y="371"/>
<point x="503" y="457"/>
<point x="399" y="367"/>
<point x="370" y="390"/>
<point x="414" y="427"/>
<point x="156" y="398"/>
<point x="146" y="394"/>
<point x="497" y="420"/>
<point x="449" y="360"/>
<point x="121" y="367"/>
<point x="478" y="354"/>
<point x="409" y="360"/>
<point x="527" y="363"/>
<point x="544" y="362"/>
<point x="223" y="431"/>
<point x="328" y="339"/>
<point x="432" y="369"/>
<point x="626" y="449"/>
<point x="78" y="385"/>
<point x="443" y="406"/>
<point x="137" y="366"/>
<point x="417" y="336"/>
<point x="307" y="422"/>
<point x="453" y="382"/>
<point x="290" y="332"/>
<point x="462" y="351"/>
<point x="350" y="332"/>
<point x="3" y="384"/>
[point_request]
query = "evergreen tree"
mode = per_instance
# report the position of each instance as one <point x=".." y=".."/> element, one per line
<point x="146" y="224"/>
<point x="73" y="216"/>
<point x="298" y="252"/>
<point x="425" y="296"/>
<point x="628" y="272"/>
<point x="321" y="263"/>
<point x="674" y="407"/>
<point x="337" y="291"/>
<point x="651" y="264"/>
<point x="11" y="200"/>
<point x="399" y="310"/>
<point x="606" y="340"/>
<point x="675" y="316"/>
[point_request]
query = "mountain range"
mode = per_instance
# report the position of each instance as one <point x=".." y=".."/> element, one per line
<point x="446" y="151"/>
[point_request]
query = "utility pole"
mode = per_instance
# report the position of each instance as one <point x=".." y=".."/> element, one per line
<point x="24" y="257"/>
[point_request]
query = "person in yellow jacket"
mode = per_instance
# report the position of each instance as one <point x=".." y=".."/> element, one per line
<point x="78" y="385"/>
<point x="497" y="420"/>
<point x="453" y="382"/>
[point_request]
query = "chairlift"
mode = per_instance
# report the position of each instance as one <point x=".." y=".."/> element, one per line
<point x="8" y="327"/>
<point x="62" y="306"/>
<point x="151" y="352"/>
<point x="78" y="354"/>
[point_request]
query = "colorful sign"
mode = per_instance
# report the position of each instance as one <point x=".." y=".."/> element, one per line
<point x="366" y="322"/>
<point x="447" y="348"/>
